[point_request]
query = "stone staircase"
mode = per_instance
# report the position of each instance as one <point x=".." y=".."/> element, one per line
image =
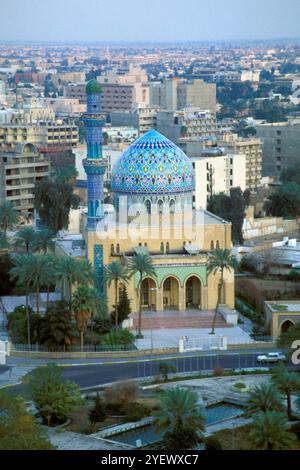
<point x="200" y="319"/>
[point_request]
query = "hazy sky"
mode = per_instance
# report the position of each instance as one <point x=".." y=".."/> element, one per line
<point x="147" y="20"/>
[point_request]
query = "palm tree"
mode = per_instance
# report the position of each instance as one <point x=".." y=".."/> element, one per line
<point x="287" y="383"/>
<point x="270" y="431"/>
<point x="25" y="238"/>
<point x="39" y="275"/>
<point x="56" y="328"/>
<point x="141" y="264"/>
<point x="180" y="417"/>
<point x="116" y="273"/>
<point x="264" y="397"/>
<point x="50" y="273"/>
<point x="219" y="261"/>
<point x="71" y="271"/>
<point x="8" y="216"/>
<point x="83" y="304"/>
<point x="43" y="240"/>
<point x="22" y="272"/>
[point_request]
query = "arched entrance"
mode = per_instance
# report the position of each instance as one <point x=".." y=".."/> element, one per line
<point x="149" y="294"/>
<point x="286" y="325"/>
<point x="171" y="294"/>
<point x="193" y="293"/>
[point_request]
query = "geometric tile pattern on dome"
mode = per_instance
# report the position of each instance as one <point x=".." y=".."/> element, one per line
<point x="153" y="164"/>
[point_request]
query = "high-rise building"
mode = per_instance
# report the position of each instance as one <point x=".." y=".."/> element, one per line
<point x="252" y="149"/>
<point x="281" y="146"/>
<point x="174" y="94"/>
<point x="217" y="172"/>
<point x="186" y="124"/>
<point x="19" y="171"/>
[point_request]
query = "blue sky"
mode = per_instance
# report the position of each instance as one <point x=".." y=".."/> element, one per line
<point x="147" y="20"/>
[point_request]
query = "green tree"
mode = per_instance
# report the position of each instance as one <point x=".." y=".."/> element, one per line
<point x="43" y="241"/>
<point x="270" y="431"/>
<point x="264" y="397"/>
<point x="180" y="417"/>
<point x="230" y="208"/>
<point x="56" y="327"/>
<point x="67" y="175"/>
<point x="6" y="283"/>
<point x="18" y="430"/>
<point x="53" y="398"/>
<point x="116" y="273"/>
<point x="71" y="271"/>
<point x="287" y="383"/>
<point x="25" y="238"/>
<point x="124" y="309"/>
<point x="8" y="217"/>
<point x="53" y="201"/>
<point x="219" y="261"/>
<point x="284" y="201"/>
<point x="97" y="414"/>
<point x="285" y="340"/>
<point x="141" y="264"/>
<point x="165" y="369"/>
<point x="83" y="304"/>
<point x="18" y="325"/>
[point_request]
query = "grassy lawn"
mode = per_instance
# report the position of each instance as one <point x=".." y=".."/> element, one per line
<point x="237" y="439"/>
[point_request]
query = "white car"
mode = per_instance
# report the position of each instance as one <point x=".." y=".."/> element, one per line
<point x="271" y="358"/>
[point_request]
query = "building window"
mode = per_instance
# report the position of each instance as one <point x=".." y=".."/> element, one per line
<point x="212" y="246"/>
<point x="218" y="245"/>
<point x="162" y="247"/>
<point x="167" y="247"/>
<point x="112" y="249"/>
<point x="118" y="248"/>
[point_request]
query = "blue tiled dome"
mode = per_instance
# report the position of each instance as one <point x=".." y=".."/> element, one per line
<point x="153" y="165"/>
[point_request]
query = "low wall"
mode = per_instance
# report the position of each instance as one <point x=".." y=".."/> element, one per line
<point x="124" y="354"/>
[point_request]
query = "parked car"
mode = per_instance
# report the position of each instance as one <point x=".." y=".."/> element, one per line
<point x="271" y="358"/>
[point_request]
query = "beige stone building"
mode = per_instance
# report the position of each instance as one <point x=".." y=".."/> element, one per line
<point x="252" y="149"/>
<point x="19" y="172"/>
<point x="281" y="315"/>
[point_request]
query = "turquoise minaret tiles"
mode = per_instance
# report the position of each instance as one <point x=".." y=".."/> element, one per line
<point x="94" y="165"/>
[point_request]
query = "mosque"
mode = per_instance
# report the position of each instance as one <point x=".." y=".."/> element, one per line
<point x="152" y="186"/>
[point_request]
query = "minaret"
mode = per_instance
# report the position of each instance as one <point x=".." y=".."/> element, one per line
<point x="94" y="165"/>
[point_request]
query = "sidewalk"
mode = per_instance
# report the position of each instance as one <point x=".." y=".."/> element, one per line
<point x="14" y="375"/>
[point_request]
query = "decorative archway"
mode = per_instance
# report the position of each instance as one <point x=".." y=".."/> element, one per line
<point x="193" y="293"/>
<point x="149" y="289"/>
<point x="286" y="325"/>
<point x="171" y="293"/>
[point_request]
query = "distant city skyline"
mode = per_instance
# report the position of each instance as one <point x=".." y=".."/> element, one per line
<point x="135" y="21"/>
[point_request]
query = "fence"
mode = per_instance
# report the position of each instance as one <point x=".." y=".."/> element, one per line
<point x="16" y="347"/>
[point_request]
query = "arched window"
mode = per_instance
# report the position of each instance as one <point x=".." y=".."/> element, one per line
<point x="148" y="206"/>
<point x="112" y="249"/>
<point x="162" y="247"/>
<point x="218" y="245"/>
<point x="118" y="248"/>
<point x="167" y="247"/>
<point x="160" y="206"/>
<point x="146" y="244"/>
<point x="172" y="206"/>
<point x="212" y="246"/>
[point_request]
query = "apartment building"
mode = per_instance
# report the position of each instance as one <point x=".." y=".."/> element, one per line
<point x="174" y="94"/>
<point x="217" y="172"/>
<point x="186" y="124"/>
<point x="252" y="149"/>
<point x="281" y="146"/>
<point x="19" y="171"/>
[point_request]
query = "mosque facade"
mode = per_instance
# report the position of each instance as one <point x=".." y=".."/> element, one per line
<point x="152" y="186"/>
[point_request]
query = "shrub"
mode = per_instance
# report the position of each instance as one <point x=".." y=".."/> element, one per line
<point x="218" y="372"/>
<point x="98" y="413"/>
<point x="239" y="385"/>
<point x="137" y="411"/>
<point x="120" y="396"/>
<point x="118" y="336"/>
<point x="165" y="369"/>
<point x="212" y="443"/>
<point x="295" y="428"/>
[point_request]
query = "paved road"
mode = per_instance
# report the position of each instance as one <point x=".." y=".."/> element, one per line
<point x="98" y="374"/>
